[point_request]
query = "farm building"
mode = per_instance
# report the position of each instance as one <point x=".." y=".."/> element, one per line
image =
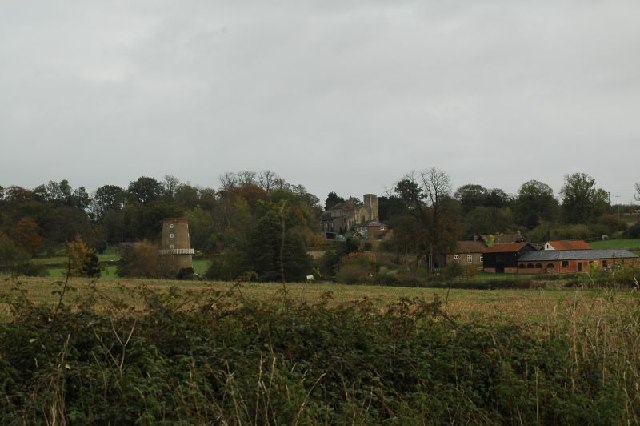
<point x="468" y="253"/>
<point x="573" y="261"/>
<point x="567" y="245"/>
<point x="504" y="257"/>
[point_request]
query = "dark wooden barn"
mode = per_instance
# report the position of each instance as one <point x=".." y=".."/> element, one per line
<point x="503" y="258"/>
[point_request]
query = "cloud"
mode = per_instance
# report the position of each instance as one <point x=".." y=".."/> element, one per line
<point x="345" y="96"/>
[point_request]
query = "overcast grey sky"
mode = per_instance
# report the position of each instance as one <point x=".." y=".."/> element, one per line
<point x="340" y="95"/>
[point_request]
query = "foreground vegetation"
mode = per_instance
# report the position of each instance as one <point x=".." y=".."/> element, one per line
<point x="149" y="352"/>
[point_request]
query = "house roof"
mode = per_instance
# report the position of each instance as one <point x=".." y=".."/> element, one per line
<point x="570" y="245"/>
<point x="470" y="247"/>
<point x="506" y="248"/>
<point x="347" y="205"/>
<point x="550" y="255"/>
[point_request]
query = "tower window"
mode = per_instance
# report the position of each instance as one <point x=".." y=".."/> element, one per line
<point x="170" y="235"/>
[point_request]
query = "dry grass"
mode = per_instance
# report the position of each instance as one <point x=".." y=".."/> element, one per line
<point x="540" y="308"/>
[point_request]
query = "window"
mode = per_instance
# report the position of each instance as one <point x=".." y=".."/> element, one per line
<point x="538" y="265"/>
<point x="469" y="258"/>
<point x="171" y="225"/>
<point x="529" y="265"/>
<point x="522" y="265"/>
<point x="456" y="257"/>
<point x="170" y="246"/>
<point x="550" y="266"/>
<point x="171" y="236"/>
<point x="604" y="264"/>
<point x="565" y="263"/>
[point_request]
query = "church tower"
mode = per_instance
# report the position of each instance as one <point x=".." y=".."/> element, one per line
<point x="371" y="204"/>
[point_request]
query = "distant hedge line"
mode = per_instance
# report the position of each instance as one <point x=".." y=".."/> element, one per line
<point x="231" y="360"/>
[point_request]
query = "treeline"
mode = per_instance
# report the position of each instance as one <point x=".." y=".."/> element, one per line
<point x="425" y="201"/>
<point x="428" y="218"/>
<point x="42" y="220"/>
<point x="260" y="225"/>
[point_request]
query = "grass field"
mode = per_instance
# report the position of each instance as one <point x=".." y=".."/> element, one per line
<point x="627" y="244"/>
<point x="534" y="306"/>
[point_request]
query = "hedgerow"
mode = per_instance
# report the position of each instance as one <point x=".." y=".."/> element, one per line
<point x="182" y="359"/>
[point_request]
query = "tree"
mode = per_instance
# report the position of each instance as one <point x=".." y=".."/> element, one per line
<point x="83" y="260"/>
<point x="27" y="235"/>
<point x="471" y="196"/>
<point x="332" y="200"/>
<point x="405" y="240"/>
<point x="12" y="257"/>
<point x="488" y="220"/>
<point x="201" y="228"/>
<point x="269" y="181"/>
<point x="142" y="221"/>
<point x="535" y="203"/>
<point x="169" y="186"/>
<point x="62" y="194"/>
<point x="428" y="197"/>
<point x="410" y="192"/>
<point x="186" y="196"/>
<point x="582" y="202"/>
<point x="107" y="198"/>
<point x="142" y="260"/>
<point x="80" y="199"/>
<point x="275" y="253"/>
<point x="390" y="206"/>
<point x="247" y="177"/>
<point x="497" y="198"/>
<point x="144" y="190"/>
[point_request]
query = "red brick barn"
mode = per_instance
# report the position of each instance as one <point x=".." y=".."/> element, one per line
<point x="574" y="261"/>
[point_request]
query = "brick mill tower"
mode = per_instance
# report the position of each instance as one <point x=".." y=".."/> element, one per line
<point x="176" y="242"/>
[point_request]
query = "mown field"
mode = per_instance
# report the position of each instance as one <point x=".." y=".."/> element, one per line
<point x="628" y="244"/>
<point x="522" y="306"/>
<point x="175" y="352"/>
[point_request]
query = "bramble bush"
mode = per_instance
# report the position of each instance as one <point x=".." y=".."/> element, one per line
<point x="224" y="359"/>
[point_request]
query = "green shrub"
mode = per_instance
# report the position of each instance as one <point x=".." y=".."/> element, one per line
<point x="231" y="360"/>
<point x="633" y="231"/>
<point x="356" y="268"/>
<point x="226" y="266"/>
<point x="355" y="273"/>
<point x="452" y="271"/>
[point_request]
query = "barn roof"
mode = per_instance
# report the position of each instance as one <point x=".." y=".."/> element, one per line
<point x="470" y="247"/>
<point x="570" y="245"/>
<point x="550" y="255"/>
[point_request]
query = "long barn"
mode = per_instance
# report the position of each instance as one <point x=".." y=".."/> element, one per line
<point x="574" y="261"/>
